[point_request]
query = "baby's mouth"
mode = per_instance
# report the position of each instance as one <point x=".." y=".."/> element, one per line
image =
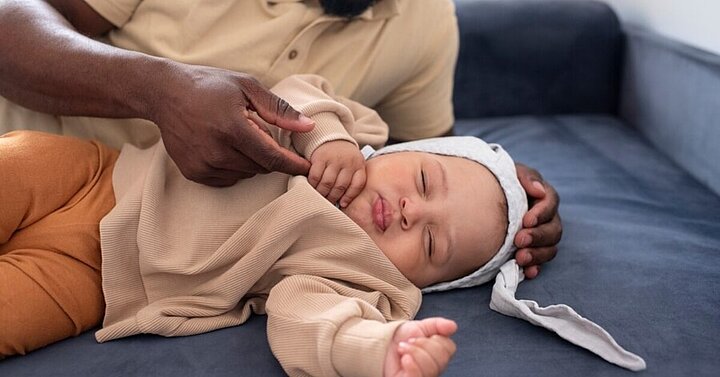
<point x="379" y="213"/>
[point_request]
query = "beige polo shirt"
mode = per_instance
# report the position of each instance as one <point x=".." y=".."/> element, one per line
<point x="398" y="57"/>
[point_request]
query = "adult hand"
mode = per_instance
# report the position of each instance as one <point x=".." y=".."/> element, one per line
<point x="202" y="114"/>
<point x="420" y="348"/>
<point x="537" y="240"/>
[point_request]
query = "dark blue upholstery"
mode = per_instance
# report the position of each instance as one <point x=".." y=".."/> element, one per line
<point x="537" y="57"/>
<point x="670" y="93"/>
<point x="640" y="253"/>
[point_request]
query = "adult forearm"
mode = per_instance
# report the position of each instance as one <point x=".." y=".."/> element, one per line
<point x="46" y="65"/>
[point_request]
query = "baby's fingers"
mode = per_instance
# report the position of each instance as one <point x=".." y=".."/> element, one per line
<point x="409" y="367"/>
<point x="429" y="356"/>
<point x="316" y="173"/>
<point x="327" y="182"/>
<point x="356" y="186"/>
<point x="440" y="348"/>
<point x="342" y="182"/>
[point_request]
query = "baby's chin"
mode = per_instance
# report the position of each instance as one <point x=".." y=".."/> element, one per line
<point x="359" y="212"/>
<point x="352" y="211"/>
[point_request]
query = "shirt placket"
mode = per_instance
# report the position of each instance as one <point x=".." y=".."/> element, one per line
<point x="292" y="58"/>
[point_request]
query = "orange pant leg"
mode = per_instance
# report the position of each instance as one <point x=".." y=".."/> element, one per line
<point x="54" y="191"/>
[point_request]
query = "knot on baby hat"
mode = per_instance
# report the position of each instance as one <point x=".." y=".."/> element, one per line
<point x="560" y="319"/>
<point x="501" y="165"/>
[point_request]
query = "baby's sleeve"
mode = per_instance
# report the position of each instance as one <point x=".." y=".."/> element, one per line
<point x="336" y="118"/>
<point x="315" y="328"/>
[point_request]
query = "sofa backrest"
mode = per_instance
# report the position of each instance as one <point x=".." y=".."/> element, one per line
<point x="671" y="93"/>
<point x="536" y="57"/>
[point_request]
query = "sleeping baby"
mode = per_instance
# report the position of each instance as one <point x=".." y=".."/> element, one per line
<point x="336" y="260"/>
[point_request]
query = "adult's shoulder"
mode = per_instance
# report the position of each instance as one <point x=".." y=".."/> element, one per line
<point x="434" y="20"/>
<point x="432" y="9"/>
<point x="428" y="17"/>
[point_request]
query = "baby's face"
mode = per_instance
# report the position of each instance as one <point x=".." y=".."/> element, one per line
<point x="436" y="218"/>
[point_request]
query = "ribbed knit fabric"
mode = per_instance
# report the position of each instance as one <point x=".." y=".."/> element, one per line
<point x="180" y="258"/>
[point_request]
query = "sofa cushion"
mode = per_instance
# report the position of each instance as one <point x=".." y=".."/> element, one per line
<point x="639" y="256"/>
<point x="536" y="57"/>
<point x="671" y="93"/>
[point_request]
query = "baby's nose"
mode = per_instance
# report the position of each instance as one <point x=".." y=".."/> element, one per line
<point x="410" y="213"/>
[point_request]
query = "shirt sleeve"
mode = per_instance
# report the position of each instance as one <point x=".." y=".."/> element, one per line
<point x="118" y="12"/>
<point x="336" y="118"/>
<point x="317" y="327"/>
<point x="422" y="106"/>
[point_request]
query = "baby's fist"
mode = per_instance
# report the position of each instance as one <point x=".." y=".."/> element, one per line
<point x="420" y="348"/>
<point x="337" y="171"/>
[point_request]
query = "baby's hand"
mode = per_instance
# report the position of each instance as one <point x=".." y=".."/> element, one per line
<point x="337" y="171"/>
<point x="420" y="348"/>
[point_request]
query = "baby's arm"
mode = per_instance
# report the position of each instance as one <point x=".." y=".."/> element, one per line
<point x="341" y="126"/>
<point x="420" y="348"/>
<point x="320" y="327"/>
<point x="317" y="328"/>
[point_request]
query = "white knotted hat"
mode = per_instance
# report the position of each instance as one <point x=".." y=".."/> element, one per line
<point x="499" y="162"/>
<point x="561" y="319"/>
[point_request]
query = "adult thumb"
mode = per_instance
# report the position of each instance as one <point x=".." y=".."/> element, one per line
<point x="277" y="111"/>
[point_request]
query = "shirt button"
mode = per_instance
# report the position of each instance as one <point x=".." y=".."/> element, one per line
<point x="293" y="54"/>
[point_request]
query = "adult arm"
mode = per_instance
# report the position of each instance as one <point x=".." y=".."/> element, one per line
<point x="54" y="66"/>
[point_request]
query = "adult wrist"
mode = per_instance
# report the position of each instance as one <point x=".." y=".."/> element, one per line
<point x="153" y="85"/>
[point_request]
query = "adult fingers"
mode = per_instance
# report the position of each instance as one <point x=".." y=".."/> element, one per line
<point x="544" y="209"/>
<point x="535" y="256"/>
<point x="531" y="180"/>
<point x="548" y="234"/>
<point x="213" y="173"/>
<point x="218" y="181"/>
<point x="356" y="186"/>
<point x="531" y="272"/>
<point x="266" y="152"/>
<point x="274" y="109"/>
<point x="230" y="162"/>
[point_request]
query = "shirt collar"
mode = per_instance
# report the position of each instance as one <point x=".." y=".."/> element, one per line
<point x="382" y="10"/>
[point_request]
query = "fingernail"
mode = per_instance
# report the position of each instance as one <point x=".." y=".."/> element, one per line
<point x="532" y="222"/>
<point x="403" y="346"/>
<point x="539" y="186"/>
<point x="305" y="120"/>
<point x="411" y="340"/>
<point x="525" y="240"/>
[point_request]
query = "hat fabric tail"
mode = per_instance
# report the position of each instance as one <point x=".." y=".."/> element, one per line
<point x="560" y="319"/>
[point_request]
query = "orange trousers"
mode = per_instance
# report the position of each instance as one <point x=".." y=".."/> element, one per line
<point x="54" y="190"/>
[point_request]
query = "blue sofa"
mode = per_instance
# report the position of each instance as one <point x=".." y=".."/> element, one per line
<point x="626" y="125"/>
